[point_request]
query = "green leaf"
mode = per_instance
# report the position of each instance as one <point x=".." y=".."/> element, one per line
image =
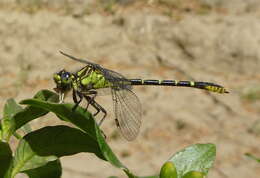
<point x="168" y="170"/>
<point x="11" y="108"/>
<point x="80" y="118"/>
<point x="47" y="95"/>
<point x="253" y="157"/>
<point x="51" y="170"/>
<point x="30" y="113"/>
<point x="198" y="157"/>
<point x="5" y="158"/>
<point x="83" y="120"/>
<point x="15" y="117"/>
<point x="61" y="141"/>
<point x="7" y="123"/>
<point x="49" y="143"/>
<point x="25" y="158"/>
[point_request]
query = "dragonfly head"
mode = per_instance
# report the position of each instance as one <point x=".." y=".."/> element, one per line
<point x="63" y="80"/>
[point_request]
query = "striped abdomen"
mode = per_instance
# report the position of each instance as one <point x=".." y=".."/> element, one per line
<point x="201" y="85"/>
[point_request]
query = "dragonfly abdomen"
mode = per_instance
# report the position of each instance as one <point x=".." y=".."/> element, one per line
<point x="201" y="85"/>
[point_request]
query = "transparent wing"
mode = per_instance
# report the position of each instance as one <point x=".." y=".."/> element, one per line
<point x="128" y="112"/>
<point x="79" y="60"/>
<point x="103" y="91"/>
<point x="115" y="78"/>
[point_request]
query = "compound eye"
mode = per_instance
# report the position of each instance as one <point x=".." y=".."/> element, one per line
<point x="65" y="75"/>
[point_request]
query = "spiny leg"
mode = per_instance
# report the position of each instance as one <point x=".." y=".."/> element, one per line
<point x="97" y="106"/>
<point x="76" y="101"/>
<point x="94" y="94"/>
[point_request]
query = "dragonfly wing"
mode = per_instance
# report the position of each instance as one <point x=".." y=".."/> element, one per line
<point x="128" y="112"/>
<point x="80" y="60"/>
<point x="118" y="80"/>
<point x="103" y="91"/>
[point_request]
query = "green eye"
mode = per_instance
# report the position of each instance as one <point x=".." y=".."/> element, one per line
<point x="56" y="77"/>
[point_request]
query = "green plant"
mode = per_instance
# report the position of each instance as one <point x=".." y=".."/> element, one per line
<point x="249" y="155"/>
<point x="38" y="152"/>
<point x="251" y="94"/>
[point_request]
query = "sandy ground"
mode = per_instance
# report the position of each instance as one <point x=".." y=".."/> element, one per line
<point x="216" y="47"/>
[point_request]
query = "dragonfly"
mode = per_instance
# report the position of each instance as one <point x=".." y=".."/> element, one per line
<point x="93" y="80"/>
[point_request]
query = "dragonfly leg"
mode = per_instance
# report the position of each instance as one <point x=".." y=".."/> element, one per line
<point x="94" y="94"/>
<point x="76" y="101"/>
<point x="98" y="107"/>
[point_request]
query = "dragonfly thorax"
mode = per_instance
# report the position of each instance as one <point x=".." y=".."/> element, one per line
<point x="89" y="78"/>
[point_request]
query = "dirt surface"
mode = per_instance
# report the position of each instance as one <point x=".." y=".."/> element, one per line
<point x="220" y="46"/>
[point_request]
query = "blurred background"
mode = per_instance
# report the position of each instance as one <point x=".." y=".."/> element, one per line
<point x="204" y="40"/>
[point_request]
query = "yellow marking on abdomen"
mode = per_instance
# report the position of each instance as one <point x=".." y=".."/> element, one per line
<point x="216" y="89"/>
